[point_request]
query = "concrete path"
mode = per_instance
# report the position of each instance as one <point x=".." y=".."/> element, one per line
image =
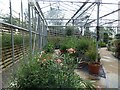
<point x="111" y="65"/>
<point x="111" y="68"/>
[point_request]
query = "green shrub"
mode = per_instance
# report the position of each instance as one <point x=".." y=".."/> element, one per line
<point x="49" y="74"/>
<point x="117" y="47"/>
<point x="6" y="40"/>
<point x="102" y="44"/>
<point x="18" y="39"/>
<point x="117" y="36"/>
<point x="91" y="54"/>
<point x="68" y="42"/>
<point x="49" y="47"/>
<point x="69" y="30"/>
<point x="83" y="44"/>
<point x="55" y="41"/>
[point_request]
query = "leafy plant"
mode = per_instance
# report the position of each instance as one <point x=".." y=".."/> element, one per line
<point x="69" y="30"/>
<point x="50" y="74"/>
<point x="69" y="42"/>
<point x="117" y="47"/>
<point x="91" y="54"/>
<point x="49" y="47"/>
<point x="18" y="39"/>
<point x="117" y="36"/>
<point x="102" y="44"/>
<point x="83" y="44"/>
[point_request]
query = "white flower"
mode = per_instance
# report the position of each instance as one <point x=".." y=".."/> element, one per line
<point x="61" y="64"/>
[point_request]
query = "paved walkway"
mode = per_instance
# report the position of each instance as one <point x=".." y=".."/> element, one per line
<point x="110" y="65"/>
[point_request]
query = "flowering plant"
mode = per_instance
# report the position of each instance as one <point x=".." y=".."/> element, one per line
<point x="71" y="50"/>
<point x="53" y="74"/>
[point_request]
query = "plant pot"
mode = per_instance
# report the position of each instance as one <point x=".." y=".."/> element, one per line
<point x="94" y="68"/>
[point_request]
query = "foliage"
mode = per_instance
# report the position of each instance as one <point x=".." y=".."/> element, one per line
<point x="49" y="47"/>
<point x="71" y="42"/>
<point x="111" y="45"/>
<point x="117" y="45"/>
<point x="91" y="53"/>
<point x="117" y="36"/>
<point x="18" y="39"/>
<point x="6" y="39"/>
<point x="49" y="74"/>
<point x="117" y="48"/>
<point x="83" y="44"/>
<point x="101" y="44"/>
<point x="106" y="37"/>
<point x="68" y="42"/>
<point x="69" y="30"/>
<point x="55" y="41"/>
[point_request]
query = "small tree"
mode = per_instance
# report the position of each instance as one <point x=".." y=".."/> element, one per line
<point x="69" y="30"/>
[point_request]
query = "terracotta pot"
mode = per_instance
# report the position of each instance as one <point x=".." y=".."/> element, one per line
<point x="94" y="68"/>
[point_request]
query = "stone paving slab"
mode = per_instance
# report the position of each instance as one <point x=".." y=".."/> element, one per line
<point x="111" y="67"/>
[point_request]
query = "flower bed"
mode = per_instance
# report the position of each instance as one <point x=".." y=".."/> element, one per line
<point x="51" y="69"/>
<point x="49" y="73"/>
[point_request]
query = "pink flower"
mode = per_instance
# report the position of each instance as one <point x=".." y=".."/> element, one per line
<point x="58" y="61"/>
<point x="71" y="50"/>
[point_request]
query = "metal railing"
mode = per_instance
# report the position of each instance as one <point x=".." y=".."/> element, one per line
<point x="35" y="29"/>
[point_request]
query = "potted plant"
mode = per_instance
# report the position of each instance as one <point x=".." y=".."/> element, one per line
<point x="93" y="64"/>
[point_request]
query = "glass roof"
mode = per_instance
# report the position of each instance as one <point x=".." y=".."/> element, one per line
<point x="64" y="10"/>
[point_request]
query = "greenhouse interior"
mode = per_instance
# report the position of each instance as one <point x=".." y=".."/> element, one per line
<point x="60" y="44"/>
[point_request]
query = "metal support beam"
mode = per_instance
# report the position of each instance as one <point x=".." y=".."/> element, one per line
<point x="97" y="28"/>
<point x="30" y="30"/>
<point x="12" y="34"/>
<point x="23" y="41"/>
<point x="86" y="10"/>
<point x="39" y="9"/>
<point x="12" y="39"/>
<point x="110" y="22"/>
<point x="19" y="19"/>
<point x="78" y="11"/>
<point x="39" y="32"/>
<point x="36" y="27"/>
<point x="104" y="15"/>
<point x="41" y="28"/>
<point x="22" y="12"/>
<point x="68" y="1"/>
